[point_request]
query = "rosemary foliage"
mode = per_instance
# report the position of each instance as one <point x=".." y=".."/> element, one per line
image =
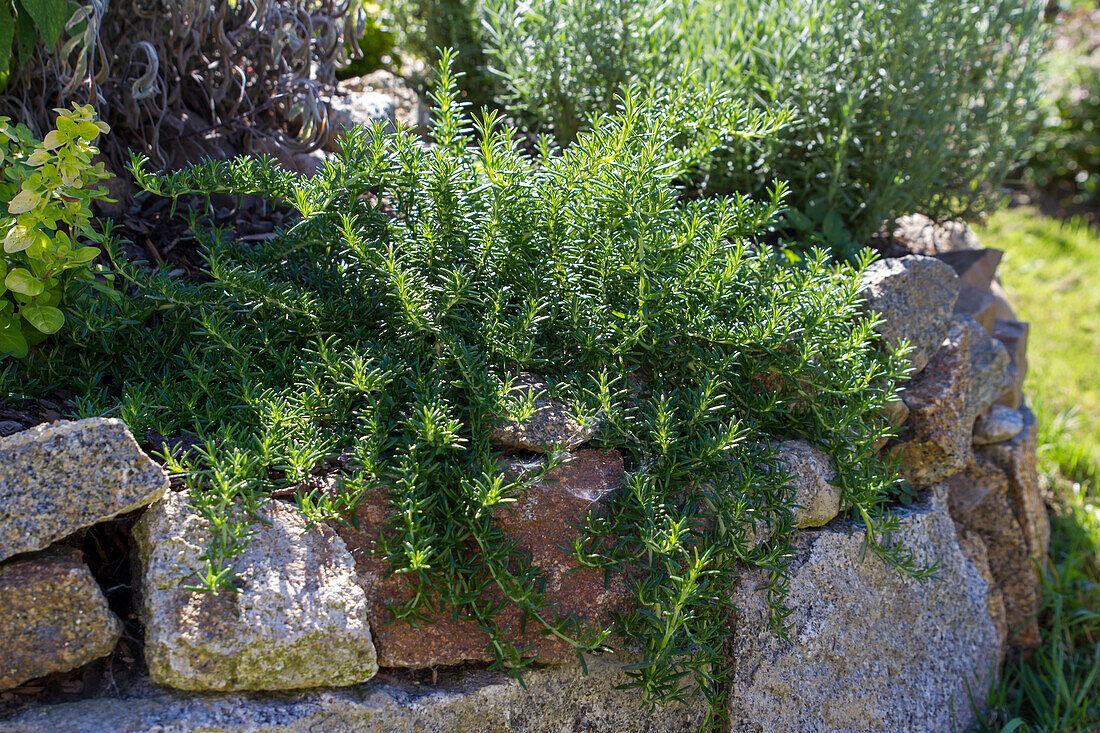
<point x="387" y="325"/>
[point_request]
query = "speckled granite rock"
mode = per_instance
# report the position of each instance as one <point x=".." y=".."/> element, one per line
<point x="556" y="699"/>
<point x="997" y="424"/>
<point x="298" y="620"/>
<point x="56" y="479"/>
<point x="968" y="372"/>
<point x="811" y="471"/>
<point x="53" y="618"/>
<point x="553" y="424"/>
<point x="541" y="521"/>
<point x="869" y="650"/>
<point x="915" y="296"/>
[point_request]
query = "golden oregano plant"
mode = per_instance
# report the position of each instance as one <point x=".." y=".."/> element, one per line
<point x="46" y="189"/>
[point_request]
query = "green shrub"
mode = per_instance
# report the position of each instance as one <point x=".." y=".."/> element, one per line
<point x="423" y="28"/>
<point x="901" y="106"/>
<point x="46" y="189"/>
<point x="1066" y="152"/>
<point x="387" y="325"/>
<point x="565" y="62"/>
<point x="373" y="47"/>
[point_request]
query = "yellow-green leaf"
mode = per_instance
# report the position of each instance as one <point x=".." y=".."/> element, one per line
<point x="53" y="139"/>
<point x="24" y="201"/>
<point x="88" y="130"/>
<point x="20" y="280"/>
<point x="45" y="318"/>
<point x="18" y="239"/>
<point x="83" y="255"/>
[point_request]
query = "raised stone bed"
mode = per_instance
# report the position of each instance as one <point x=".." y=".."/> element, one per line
<point x="307" y="643"/>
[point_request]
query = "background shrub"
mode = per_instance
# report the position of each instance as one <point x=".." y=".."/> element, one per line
<point x="1066" y="154"/>
<point x="900" y="106"/>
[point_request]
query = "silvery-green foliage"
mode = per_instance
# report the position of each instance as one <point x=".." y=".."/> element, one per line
<point x="901" y="105"/>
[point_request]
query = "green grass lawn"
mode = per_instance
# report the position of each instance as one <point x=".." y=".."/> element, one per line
<point x="1051" y="270"/>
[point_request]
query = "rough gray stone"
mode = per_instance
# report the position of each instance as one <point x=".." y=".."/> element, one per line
<point x="990" y="371"/>
<point x="925" y="236"/>
<point x="298" y="619"/>
<point x="462" y="701"/>
<point x="817" y="500"/>
<point x="56" y="479"/>
<point x="353" y="108"/>
<point x="968" y="372"/>
<point x="1017" y="458"/>
<point x="53" y="618"/>
<point x="915" y="297"/>
<point x="1013" y="335"/>
<point x="552" y="425"/>
<point x="975" y="267"/>
<point x="981" y="501"/>
<point x="997" y="424"/>
<point x="869" y="650"/>
<point x="409" y="110"/>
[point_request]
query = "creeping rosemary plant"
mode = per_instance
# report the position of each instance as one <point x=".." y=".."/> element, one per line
<point x="382" y="332"/>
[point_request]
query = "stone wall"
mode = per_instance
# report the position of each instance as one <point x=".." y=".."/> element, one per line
<point x="306" y="645"/>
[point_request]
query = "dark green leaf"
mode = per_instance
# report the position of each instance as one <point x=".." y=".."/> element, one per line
<point x="12" y="342"/>
<point x="7" y="33"/>
<point x="49" y="16"/>
<point x="25" y="32"/>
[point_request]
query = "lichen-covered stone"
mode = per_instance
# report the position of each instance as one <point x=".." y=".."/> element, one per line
<point x="298" y="619"/>
<point x="56" y="479"/>
<point x="980" y="501"/>
<point x="552" y="426"/>
<point x="966" y="375"/>
<point x="460" y="701"/>
<point x="53" y="618"/>
<point x="817" y="500"/>
<point x="997" y="424"/>
<point x="541" y="520"/>
<point x="915" y="296"/>
<point x="869" y="649"/>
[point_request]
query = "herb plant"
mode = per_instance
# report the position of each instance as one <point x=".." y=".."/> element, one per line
<point x="380" y="334"/>
<point x="46" y="189"/>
